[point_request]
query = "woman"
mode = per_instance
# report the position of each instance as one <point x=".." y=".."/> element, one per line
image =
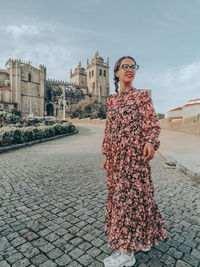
<point x="132" y="220"/>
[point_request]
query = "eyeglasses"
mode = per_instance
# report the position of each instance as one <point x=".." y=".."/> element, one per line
<point x="127" y="67"/>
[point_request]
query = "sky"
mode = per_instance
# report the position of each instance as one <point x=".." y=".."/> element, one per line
<point x="162" y="36"/>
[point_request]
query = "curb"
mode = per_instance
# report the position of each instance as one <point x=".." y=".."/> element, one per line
<point x="182" y="165"/>
<point x="18" y="146"/>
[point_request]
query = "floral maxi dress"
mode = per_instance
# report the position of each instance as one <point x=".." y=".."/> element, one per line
<point x="132" y="220"/>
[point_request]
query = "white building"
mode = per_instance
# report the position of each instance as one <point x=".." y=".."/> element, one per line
<point x="192" y="108"/>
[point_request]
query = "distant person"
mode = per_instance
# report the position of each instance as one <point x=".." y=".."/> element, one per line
<point x="132" y="220"/>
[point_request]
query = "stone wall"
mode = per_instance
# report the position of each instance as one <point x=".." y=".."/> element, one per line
<point x="189" y="125"/>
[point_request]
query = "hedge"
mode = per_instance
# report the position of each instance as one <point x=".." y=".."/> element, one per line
<point x="11" y="134"/>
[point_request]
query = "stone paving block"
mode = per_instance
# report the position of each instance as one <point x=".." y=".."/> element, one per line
<point x="31" y="253"/>
<point x="14" y="257"/>
<point x="81" y="233"/>
<point x="54" y="209"/>
<point x="39" y="242"/>
<point x="196" y="253"/>
<point x="74" y="264"/>
<point x="76" y="241"/>
<point x="61" y="231"/>
<point x="67" y="248"/>
<point x="175" y="253"/>
<point x="88" y="237"/>
<point x="24" y="247"/>
<point x="190" y="243"/>
<point x="168" y="259"/>
<point x="75" y="253"/>
<point x="93" y="252"/>
<point x="97" y="242"/>
<point x="55" y="253"/>
<point x="18" y="241"/>
<point x="39" y="259"/>
<point x="21" y="263"/>
<point x="9" y="252"/>
<point x="12" y="236"/>
<point x="162" y="246"/>
<point x="67" y="236"/>
<point x="85" y="260"/>
<point x="47" y="247"/>
<point x="44" y="232"/>
<point x="4" y="244"/>
<point x="7" y="231"/>
<point x="155" y="263"/>
<point x="144" y="257"/>
<point x="181" y="263"/>
<point x="30" y="236"/>
<point x="172" y="243"/>
<point x="179" y="238"/>
<point x="48" y="263"/>
<point x="191" y="260"/>
<point x="4" y="264"/>
<point x="23" y="231"/>
<point x="85" y="246"/>
<point x="19" y="227"/>
<point x="63" y="260"/>
<point x="66" y="225"/>
<point x="59" y="242"/>
<point x="96" y="232"/>
<point x="96" y="264"/>
<point x="184" y="248"/>
<point x="51" y="237"/>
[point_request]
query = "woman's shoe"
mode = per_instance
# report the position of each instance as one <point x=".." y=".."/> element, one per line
<point x="146" y="249"/>
<point x="120" y="259"/>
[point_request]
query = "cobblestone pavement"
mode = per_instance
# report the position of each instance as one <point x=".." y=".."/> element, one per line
<point x="52" y="207"/>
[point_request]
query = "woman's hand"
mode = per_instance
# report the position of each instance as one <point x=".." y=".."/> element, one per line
<point x="104" y="164"/>
<point x="148" y="151"/>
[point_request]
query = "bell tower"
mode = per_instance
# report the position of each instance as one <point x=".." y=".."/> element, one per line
<point x="98" y="77"/>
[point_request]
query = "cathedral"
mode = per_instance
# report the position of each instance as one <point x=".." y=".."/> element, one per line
<point x="25" y="88"/>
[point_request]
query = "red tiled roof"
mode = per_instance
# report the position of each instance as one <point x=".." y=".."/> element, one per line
<point x="194" y="99"/>
<point x="4" y="71"/>
<point x="180" y="108"/>
<point x="177" y="117"/>
<point x="5" y="88"/>
<point x="187" y="105"/>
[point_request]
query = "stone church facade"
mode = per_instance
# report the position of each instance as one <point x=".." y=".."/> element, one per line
<point x="26" y="88"/>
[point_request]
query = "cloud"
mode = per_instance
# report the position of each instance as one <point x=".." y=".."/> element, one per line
<point x="21" y="30"/>
<point x="171" y="86"/>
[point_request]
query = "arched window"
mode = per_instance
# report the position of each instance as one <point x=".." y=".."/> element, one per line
<point x="92" y="73"/>
<point x="100" y="72"/>
<point x="104" y="73"/>
<point x="29" y="77"/>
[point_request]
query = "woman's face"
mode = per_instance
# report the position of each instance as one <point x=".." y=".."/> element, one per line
<point x="126" y="75"/>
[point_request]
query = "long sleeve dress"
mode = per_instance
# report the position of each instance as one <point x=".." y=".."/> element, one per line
<point x="132" y="220"/>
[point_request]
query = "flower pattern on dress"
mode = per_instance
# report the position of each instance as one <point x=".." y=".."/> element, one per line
<point x="132" y="219"/>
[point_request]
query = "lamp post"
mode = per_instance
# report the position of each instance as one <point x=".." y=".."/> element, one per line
<point x="64" y="102"/>
<point x="30" y="112"/>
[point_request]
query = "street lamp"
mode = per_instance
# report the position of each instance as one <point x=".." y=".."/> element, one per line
<point x="64" y="102"/>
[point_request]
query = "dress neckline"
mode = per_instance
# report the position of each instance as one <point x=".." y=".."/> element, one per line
<point x="125" y="92"/>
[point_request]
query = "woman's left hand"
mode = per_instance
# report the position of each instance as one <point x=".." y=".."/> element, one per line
<point x="148" y="151"/>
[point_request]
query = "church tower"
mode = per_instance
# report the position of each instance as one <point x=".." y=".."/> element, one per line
<point x="79" y="77"/>
<point x="98" y="77"/>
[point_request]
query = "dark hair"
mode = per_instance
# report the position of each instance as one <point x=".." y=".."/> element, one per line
<point x="116" y="68"/>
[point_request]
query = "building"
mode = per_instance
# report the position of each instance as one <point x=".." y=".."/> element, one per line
<point x="22" y="87"/>
<point x="96" y="78"/>
<point x="25" y="88"/>
<point x="192" y="108"/>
